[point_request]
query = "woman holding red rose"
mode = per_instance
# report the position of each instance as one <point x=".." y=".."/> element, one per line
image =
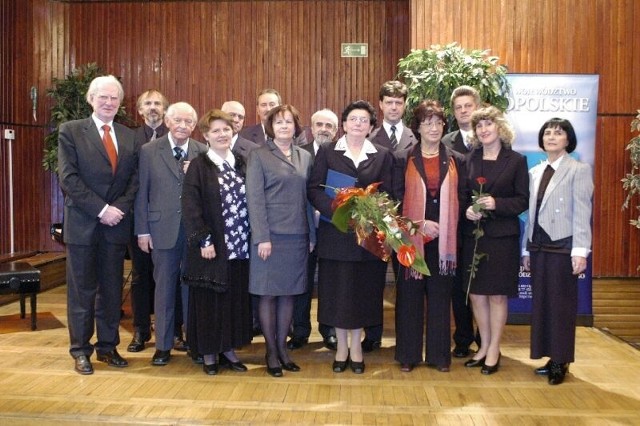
<point x="498" y="177"/>
<point x="429" y="179"/>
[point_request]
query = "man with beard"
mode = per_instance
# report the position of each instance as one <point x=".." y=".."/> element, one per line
<point x="324" y="126"/>
<point x="151" y="107"/>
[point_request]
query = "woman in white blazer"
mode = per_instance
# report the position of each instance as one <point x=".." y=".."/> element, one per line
<point x="557" y="243"/>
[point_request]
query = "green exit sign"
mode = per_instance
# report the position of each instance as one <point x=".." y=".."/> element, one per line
<point x="354" y="50"/>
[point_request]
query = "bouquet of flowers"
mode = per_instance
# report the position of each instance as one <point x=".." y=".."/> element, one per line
<point x="379" y="228"/>
<point x="478" y="232"/>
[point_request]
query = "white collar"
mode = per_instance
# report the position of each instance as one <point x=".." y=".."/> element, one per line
<point x="218" y="161"/>
<point x="172" y="142"/>
<point x="399" y="128"/>
<point x="555" y="164"/>
<point x="367" y="148"/>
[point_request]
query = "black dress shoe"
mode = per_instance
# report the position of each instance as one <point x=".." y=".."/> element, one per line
<point x="490" y="369"/>
<point x="210" y="369"/>
<point x="273" y="371"/>
<point x="461" y="351"/>
<point x="357" y="367"/>
<point x="137" y="343"/>
<point x="161" y="358"/>
<point x="179" y="344"/>
<point x="340" y="366"/>
<point x="370" y="345"/>
<point x="557" y="372"/>
<point x="83" y="365"/>
<point x="195" y="357"/>
<point x="406" y="368"/>
<point x="113" y="359"/>
<point x="475" y="362"/>
<point x="235" y="366"/>
<point x="544" y="370"/>
<point x="331" y="343"/>
<point x="297" y="342"/>
<point x="289" y="366"/>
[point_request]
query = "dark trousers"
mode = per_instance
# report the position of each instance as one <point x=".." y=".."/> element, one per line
<point x="302" y="305"/>
<point x="142" y="288"/>
<point x="94" y="292"/>
<point x="374" y="333"/>
<point x="554" y="307"/>
<point x="411" y="337"/>
<point x="462" y="314"/>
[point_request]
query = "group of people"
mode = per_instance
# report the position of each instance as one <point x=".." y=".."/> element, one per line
<point x="234" y="229"/>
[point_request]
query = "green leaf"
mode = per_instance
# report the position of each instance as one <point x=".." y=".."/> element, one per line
<point x="342" y="216"/>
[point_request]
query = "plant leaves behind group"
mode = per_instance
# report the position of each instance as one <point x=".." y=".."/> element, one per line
<point x="434" y="73"/>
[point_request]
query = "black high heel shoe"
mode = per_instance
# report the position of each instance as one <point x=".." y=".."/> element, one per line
<point x="235" y="366"/>
<point x="210" y="369"/>
<point x="289" y="366"/>
<point x="357" y="367"/>
<point x="475" y="362"/>
<point x="273" y="371"/>
<point x="490" y="369"/>
<point x="340" y="366"/>
<point x="557" y="372"/>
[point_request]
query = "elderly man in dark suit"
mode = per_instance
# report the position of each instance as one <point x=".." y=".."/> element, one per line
<point x="267" y="100"/>
<point x="239" y="145"/>
<point x="324" y="127"/>
<point x="151" y="107"/>
<point x="394" y="135"/>
<point x="464" y="101"/>
<point x="97" y="172"/>
<point x="158" y="216"/>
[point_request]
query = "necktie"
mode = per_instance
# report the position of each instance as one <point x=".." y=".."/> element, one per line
<point x="110" y="147"/>
<point x="179" y="153"/>
<point x="465" y="141"/>
<point x="154" y="136"/>
<point x="544" y="182"/>
<point x="393" y="138"/>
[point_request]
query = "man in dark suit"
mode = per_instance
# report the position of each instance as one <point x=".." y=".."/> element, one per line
<point x="267" y="100"/>
<point x="394" y="135"/>
<point x="464" y="101"/>
<point x="158" y="216"/>
<point x="324" y="127"/>
<point x="151" y="107"/>
<point x="239" y="145"/>
<point x="97" y="171"/>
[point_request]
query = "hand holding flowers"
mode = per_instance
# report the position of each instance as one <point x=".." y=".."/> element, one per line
<point x="478" y="210"/>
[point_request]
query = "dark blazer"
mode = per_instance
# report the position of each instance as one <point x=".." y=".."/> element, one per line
<point x="242" y="147"/>
<point x="143" y="134"/>
<point x="380" y="137"/>
<point x="88" y="183"/>
<point x="508" y="183"/>
<point x="157" y="205"/>
<point x="276" y="193"/>
<point x="256" y="135"/>
<point x="333" y="244"/>
<point x="445" y="155"/>
<point x="454" y="141"/>
<point x="202" y="213"/>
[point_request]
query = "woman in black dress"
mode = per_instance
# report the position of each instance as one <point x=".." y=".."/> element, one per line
<point x="216" y="221"/>
<point x="429" y="180"/>
<point x="506" y="190"/>
<point x="350" y="279"/>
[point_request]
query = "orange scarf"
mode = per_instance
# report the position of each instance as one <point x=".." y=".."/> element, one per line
<point x="414" y="203"/>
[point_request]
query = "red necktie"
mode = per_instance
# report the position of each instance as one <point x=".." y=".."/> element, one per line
<point x="110" y="147"/>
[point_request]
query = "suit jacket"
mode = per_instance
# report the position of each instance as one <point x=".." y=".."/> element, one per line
<point x="277" y="193"/>
<point x="565" y="210"/>
<point x="507" y="183"/>
<point x="380" y="137"/>
<point x="157" y="207"/>
<point x="88" y="183"/>
<point x="256" y="135"/>
<point x="454" y="141"/>
<point x="144" y="132"/>
<point x="333" y="244"/>
<point x="242" y="147"/>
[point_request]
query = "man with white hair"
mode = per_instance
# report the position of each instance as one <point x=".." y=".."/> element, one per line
<point x="324" y="127"/>
<point x="97" y="172"/>
<point x="158" y="216"/>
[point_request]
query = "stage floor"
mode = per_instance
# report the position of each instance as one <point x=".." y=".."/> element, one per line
<point x="38" y="384"/>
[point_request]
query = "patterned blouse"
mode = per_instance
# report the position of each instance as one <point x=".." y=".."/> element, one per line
<point x="234" y="212"/>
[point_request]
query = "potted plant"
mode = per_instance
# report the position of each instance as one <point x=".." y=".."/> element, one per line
<point x="631" y="182"/>
<point x="434" y="73"/>
<point x="69" y="95"/>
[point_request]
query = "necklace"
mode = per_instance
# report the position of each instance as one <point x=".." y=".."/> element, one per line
<point x="429" y="154"/>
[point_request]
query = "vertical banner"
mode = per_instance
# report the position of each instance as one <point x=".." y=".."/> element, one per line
<point x="534" y="99"/>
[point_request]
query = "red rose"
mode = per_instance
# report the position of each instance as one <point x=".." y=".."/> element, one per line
<point x="481" y="180"/>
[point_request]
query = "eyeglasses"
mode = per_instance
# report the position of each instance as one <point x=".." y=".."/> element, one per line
<point x="238" y="116"/>
<point x="186" y="121"/>
<point x="356" y="119"/>
<point x="435" y="124"/>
